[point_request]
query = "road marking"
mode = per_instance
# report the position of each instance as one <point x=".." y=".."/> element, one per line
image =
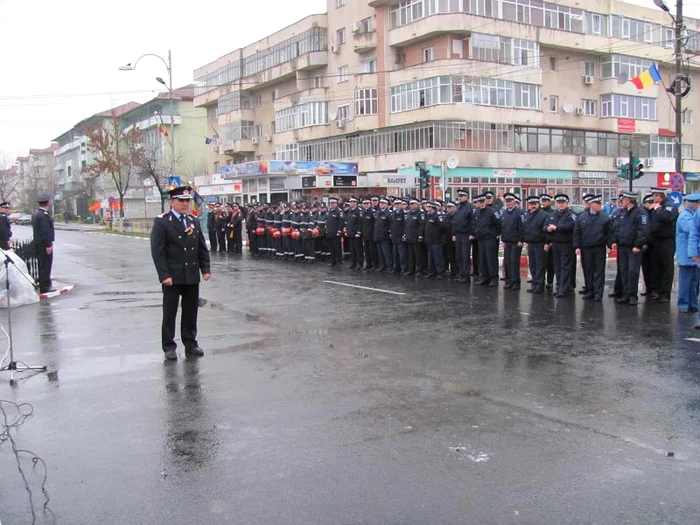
<point x="524" y="313"/>
<point x="365" y="288"/>
<point x="693" y="339"/>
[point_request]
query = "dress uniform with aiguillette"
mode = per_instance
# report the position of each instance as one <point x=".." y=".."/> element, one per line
<point x="44" y="237"/>
<point x="179" y="253"/>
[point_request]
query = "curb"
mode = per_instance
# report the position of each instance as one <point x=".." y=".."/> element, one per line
<point x="56" y="293"/>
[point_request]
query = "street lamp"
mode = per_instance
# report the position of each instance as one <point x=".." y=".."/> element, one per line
<point x="169" y="85"/>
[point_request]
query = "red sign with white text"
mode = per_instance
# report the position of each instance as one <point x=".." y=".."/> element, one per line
<point x="663" y="180"/>
<point x="626" y="125"/>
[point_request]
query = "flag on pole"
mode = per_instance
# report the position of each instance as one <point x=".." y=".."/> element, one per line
<point x="647" y="78"/>
<point x="208" y="140"/>
<point x="161" y="127"/>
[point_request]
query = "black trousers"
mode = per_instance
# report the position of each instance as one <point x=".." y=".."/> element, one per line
<point x="450" y="253"/>
<point x="511" y="261"/>
<point x="252" y="242"/>
<point x="662" y="267"/>
<point x="475" y="257"/>
<point x="488" y="260"/>
<point x="386" y="261"/>
<point x="593" y="262"/>
<point x="549" y="267"/>
<point x="355" y="246"/>
<point x="221" y="239"/>
<point x="368" y="247"/>
<point x="464" y="248"/>
<point x="399" y="256"/>
<point x="309" y="249"/>
<point x="45" y="261"/>
<point x="563" y="256"/>
<point x="420" y="255"/>
<point x="336" y="248"/>
<point x="646" y="270"/>
<point x="535" y="255"/>
<point x="436" y="264"/>
<point x="188" y="321"/>
<point x="630" y="264"/>
<point x="410" y="258"/>
<point x="213" y="240"/>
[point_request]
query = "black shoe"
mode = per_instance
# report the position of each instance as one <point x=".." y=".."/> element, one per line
<point x="515" y="287"/>
<point x="549" y="286"/>
<point x="622" y="300"/>
<point x="537" y="291"/>
<point x="493" y="284"/>
<point x="615" y="295"/>
<point x="643" y="294"/>
<point x="439" y="277"/>
<point x="663" y="299"/>
<point x="633" y="300"/>
<point x="598" y="299"/>
<point x="507" y="286"/>
<point x="587" y="297"/>
<point x="194" y="352"/>
<point x="583" y="292"/>
<point x="170" y="355"/>
<point x="654" y="296"/>
<point x="461" y="280"/>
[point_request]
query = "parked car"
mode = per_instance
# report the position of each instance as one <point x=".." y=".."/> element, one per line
<point x="14" y="217"/>
<point x="576" y="208"/>
<point x="25" y="219"/>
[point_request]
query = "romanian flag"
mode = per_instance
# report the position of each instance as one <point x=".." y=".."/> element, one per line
<point x="162" y="129"/>
<point x="647" y="78"/>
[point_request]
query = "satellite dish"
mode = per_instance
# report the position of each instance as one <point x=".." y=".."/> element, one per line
<point x="622" y="78"/>
<point x="332" y="113"/>
<point x="568" y="108"/>
<point x="452" y="162"/>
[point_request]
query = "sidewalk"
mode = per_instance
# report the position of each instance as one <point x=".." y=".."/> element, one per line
<point x="78" y="227"/>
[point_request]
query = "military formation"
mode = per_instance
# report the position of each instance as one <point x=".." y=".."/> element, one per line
<point x="463" y="240"/>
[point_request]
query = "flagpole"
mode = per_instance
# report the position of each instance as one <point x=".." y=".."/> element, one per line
<point x="172" y="114"/>
<point x="679" y="96"/>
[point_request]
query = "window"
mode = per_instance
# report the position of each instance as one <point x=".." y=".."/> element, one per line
<point x="287" y="152"/>
<point x="553" y="63"/>
<point x="340" y="36"/>
<point x="648" y="33"/>
<point x="428" y="54"/>
<point x="669" y="37"/>
<point x="687" y="151"/>
<point x="687" y="117"/>
<point x="596" y="24"/>
<point x="274" y="94"/>
<point x="588" y="69"/>
<point x="620" y="66"/>
<point x="257" y="131"/>
<point x="553" y="103"/>
<point x="369" y="65"/>
<point x="589" y="108"/>
<point x="301" y="116"/>
<point x="339" y="3"/>
<point x="366" y="102"/>
<point x="614" y="105"/>
<point x="406" y="12"/>
<point x="318" y="81"/>
<point x="526" y="53"/>
<point x="343" y="74"/>
<point x="626" y="28"/>
<point x="343" y="112"/>
<point x="366" y="25"/>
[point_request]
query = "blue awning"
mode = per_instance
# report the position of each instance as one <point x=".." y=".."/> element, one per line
<point x="691" y="176"/>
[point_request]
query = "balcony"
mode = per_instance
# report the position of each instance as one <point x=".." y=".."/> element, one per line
<point x="237" y="147"/>
<point x="379" y="3"/>
<point x="154" y="121"/>
<point x="282" y="72"/>
<point x="364" y="42"/>
<point x="236" y="115"/>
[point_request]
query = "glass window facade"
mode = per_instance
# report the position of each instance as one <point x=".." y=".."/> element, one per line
<point x="301" y="116"/>
<point x="628" y="106"/>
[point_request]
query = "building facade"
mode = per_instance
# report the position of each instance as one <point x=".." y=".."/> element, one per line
<point x="37" y="176"/>
<point x="506" y="95"/>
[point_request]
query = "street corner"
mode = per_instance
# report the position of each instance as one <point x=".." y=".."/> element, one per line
<point x="59" y="289"/>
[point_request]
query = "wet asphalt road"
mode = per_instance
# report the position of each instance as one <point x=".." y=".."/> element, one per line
<point x="323" y="404"/>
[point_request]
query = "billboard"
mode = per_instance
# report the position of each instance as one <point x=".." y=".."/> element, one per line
<point x="288" y="167"/>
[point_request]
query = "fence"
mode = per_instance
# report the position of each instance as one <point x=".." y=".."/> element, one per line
<point x="27" y="252"/>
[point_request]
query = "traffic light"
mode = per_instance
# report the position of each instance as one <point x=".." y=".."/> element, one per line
<point x="638" y="168"/>
<point x="623" y="171"/>
<point x="424" y="179"/>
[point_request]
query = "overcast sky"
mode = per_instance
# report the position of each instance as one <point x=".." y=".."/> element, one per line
<point x="58" y="60"/>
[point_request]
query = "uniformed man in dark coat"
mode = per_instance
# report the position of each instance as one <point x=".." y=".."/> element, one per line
<point x="382" y="235"/>
<point x="485" y="225"/>
<point x="461" y="229"/>
<point x="512" y="235"/>
<point x="5" y="226"/>
<point x="250" y="224"/>
<point x="398" y="222"/>
<point x="560" y="229"/>
<point x="433" y="234"/>
<point x="44" y="237"/>
<point x="631" y="234"/>
<point x="662" y="237"/>
<point x="353" y="234"/>
<point x="334" y="231"/>
<point x="615" y="218"/>
<point x="220" y="222"/>
<point x="367" y="221"/>
<point x="413" y="234"/>
<point x="180" y="253"/>
<point x="647" y="203"/>
<point x="449" y="248"/>
<point x="534" y="236"/>
<point x="322" y="243"/>
<point x="591" y="239"/>
<point x="546" y="204"/>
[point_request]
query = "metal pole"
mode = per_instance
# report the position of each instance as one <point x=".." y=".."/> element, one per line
<point x="630" y="170"/>
<point x="172" y="114"/>
<point x="679" y="98"/>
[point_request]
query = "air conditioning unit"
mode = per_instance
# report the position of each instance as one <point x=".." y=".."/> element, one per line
<point x="255" y="140"/>
<point x="340" y="124"/>
<point x="649" y="163"/>
<point x="268" y="138"/>
<point x="582" y="160"/>
<point x="579" y="111"/>
<point x="588" y="79"/>
<point x="355" y="27"/>
<point x="335" y="49"/>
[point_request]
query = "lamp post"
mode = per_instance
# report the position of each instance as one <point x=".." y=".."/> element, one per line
<point x="169" y="85"/>
<point x="676" y="87"/>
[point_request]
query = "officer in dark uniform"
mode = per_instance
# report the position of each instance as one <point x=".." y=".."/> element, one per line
<point x="512" y="235"/>
<point x="220" y="221"/>
<point x="546" y="204"/>
<point x="367" y="220"/>
<point x="382" y="235"/>
<point x="277" y="251"/>
<point x="615" y="218"/>
<point x="5" y="226"/>
<point x="250" y="224"/>
<point x="534" y="236"/>
<point x="449" y="246"/>
<point x="496" y="206"/>
<point x="560" y="229"/>
<point x="461" y="229"/>
<point x="586" y="198"/>
<point x="307" y="224"/>
<point x="353" y="234"/>
<point x="211" y="225"/>
<point x="321" y="248"/>
<point x="647" y="203"/>
<point x="296" y="237"/>
<point x="44" y="236"/>
<point x="485" y="226"/>
<point x="413" y="234"/>
<point x="591" y="238"/>
<point x="334" y="231"/>
<point x="180" y="253"/>
<point x="287" y="241"/>
<point x="662" y="236"/>
<point x="398" y="244"/>
<point x="631" y="234"/>
<point x="433" y="235"/>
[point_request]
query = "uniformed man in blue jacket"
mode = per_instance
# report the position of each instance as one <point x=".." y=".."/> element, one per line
<point x="630" y="236"/>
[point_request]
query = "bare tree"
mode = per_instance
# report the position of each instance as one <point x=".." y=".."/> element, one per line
<point x="116" y="155"/>
<point x="150" y="165"/>
<point x="9" y="181"/>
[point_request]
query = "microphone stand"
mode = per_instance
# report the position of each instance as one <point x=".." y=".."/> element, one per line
<point x="13" y="365"/>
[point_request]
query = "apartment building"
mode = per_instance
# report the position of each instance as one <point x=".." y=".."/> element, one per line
<point x="37" y="173"/>
<point x="507" y="95"/>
